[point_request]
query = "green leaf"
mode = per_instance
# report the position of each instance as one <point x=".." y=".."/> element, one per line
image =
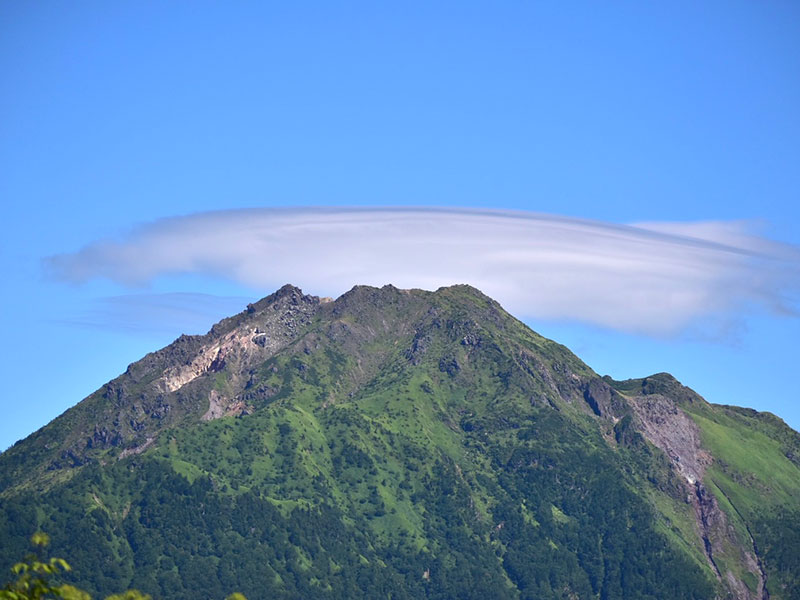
<point x="54" y="562"/>
<point x="69" y="592"/>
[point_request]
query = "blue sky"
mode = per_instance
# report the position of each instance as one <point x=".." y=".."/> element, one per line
<point x="115" y="116"/>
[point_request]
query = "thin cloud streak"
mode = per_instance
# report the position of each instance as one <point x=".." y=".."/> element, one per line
<point x="651" y="278"/>
<point x="165" y="313"/>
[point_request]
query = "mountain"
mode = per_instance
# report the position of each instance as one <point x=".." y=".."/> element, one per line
<point x="404" y="444"/>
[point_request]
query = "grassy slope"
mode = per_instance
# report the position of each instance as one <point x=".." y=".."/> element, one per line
<point x="756" y="478"/>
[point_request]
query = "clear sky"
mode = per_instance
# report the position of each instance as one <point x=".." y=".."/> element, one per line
<point x="116" y="115"/>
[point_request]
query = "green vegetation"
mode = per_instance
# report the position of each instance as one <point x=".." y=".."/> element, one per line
<point x="757" y="478"/>
<point x="395" y="444"/>
<point x="35" y="579"/>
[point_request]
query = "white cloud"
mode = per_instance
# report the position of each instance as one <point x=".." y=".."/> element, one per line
<point x="653" y="278"/>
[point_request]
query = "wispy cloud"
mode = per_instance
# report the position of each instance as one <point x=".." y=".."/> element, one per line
<point x="653" y="278"/>
<point x="165" y="313"/>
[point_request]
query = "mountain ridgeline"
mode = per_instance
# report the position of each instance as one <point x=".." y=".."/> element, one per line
<point x="404" y="444"/>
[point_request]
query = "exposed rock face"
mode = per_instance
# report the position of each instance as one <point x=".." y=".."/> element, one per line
<point x="604" y="400"/>
<point x="137" y="449"/>
<point x="271" y="325"/>
<point x="131" y="410"/>
<point x="220" y="406"/>
<point x="216" y="406"/>
<point x="669" y="428"/>
<point x="237" y="344"/>
<point x="658" y="417"/>
<point x="103" y="438"/>
<point x="719" y="535"/>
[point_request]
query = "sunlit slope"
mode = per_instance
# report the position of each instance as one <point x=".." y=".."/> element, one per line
<point x="756" y="476"/>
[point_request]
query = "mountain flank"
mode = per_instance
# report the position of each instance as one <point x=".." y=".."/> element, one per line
<point x="404" y="444"/>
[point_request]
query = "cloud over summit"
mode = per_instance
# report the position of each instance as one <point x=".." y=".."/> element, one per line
<point x="653" y="278"/>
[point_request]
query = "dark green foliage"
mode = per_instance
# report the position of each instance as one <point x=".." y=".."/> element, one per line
<point x="176" y="539"/>
<point x="590" y="535"/>
<point x="39" y="578"/>
<point x="777" y="537"/>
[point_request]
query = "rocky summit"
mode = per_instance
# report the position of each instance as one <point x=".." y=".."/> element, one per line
<point x="404" y="444"/>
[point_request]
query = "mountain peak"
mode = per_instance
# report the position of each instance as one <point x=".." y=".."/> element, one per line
<point x="287" y="293"/>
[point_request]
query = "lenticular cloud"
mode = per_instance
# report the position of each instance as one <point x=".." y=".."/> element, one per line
<point x="652" y="278"/>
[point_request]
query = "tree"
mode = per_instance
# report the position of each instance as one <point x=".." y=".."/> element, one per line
<point x="34" y="580"/>
<point x="33" y="577"/>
